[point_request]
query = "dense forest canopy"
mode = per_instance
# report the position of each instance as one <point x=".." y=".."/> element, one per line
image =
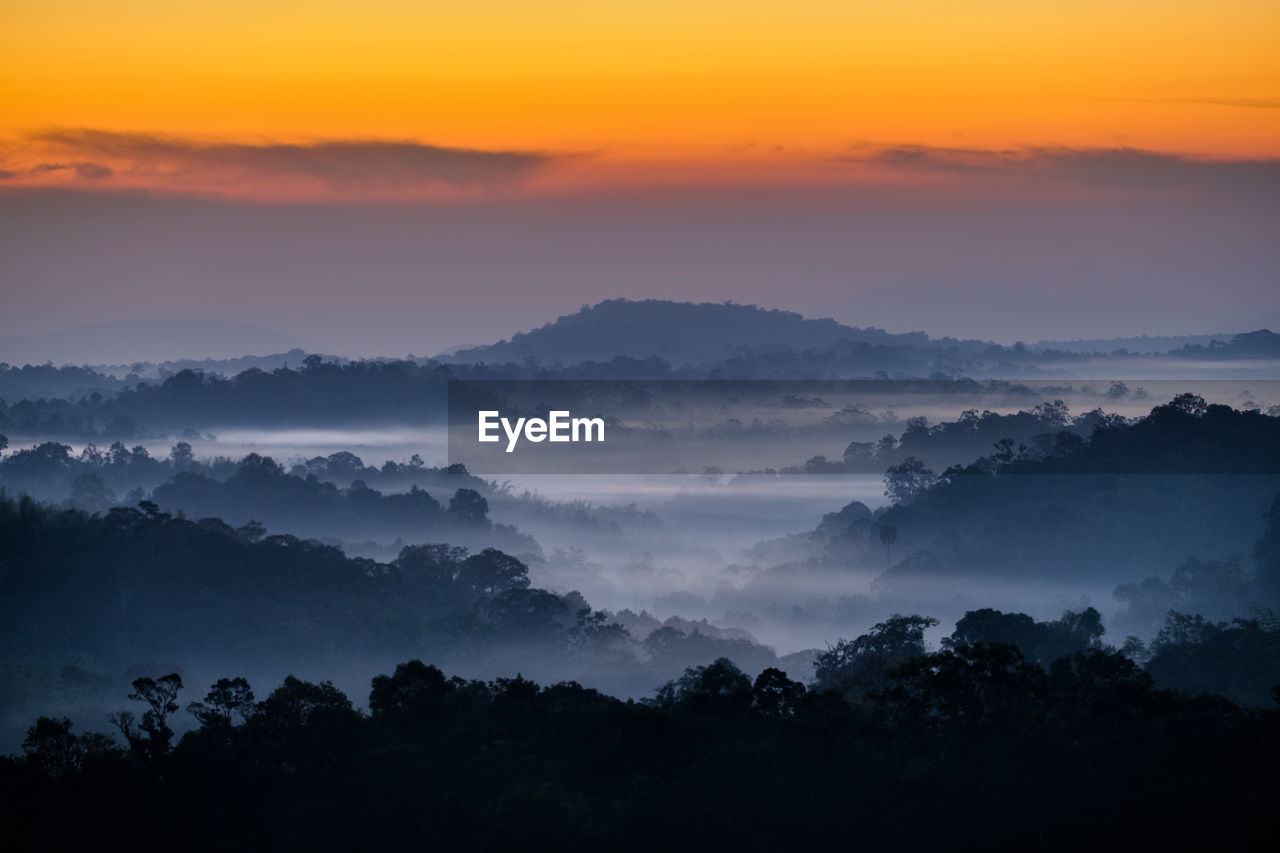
<point x="1024" y="589"/>
<point x="714" y="758"/>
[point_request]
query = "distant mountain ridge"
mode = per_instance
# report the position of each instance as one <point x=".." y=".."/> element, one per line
<point x="681" y="333"/>
<point x="730" y="335"/>
<point x="1137" y="344"/>
<point x="147" y="340"/>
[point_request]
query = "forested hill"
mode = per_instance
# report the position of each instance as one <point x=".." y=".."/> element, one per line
<point x="100" y="593"/>
<point x="1131" y="501"/>
<point x="681" y="333"/>
<point x="1262" y="343"/>
<point x="1185" y="436"/>
<point x="970" y="749"/>
<point x="133" y="584"/>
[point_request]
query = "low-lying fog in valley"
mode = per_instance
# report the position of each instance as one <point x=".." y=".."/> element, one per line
<point x="763" y="520"/>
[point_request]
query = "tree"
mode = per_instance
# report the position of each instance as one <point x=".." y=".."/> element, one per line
<point x="717" y="686"/>
<point x="527" y="614"/>
<point x="1040" y="642"/>
<point x="90" y="493"/>
<point x="469" y="506"/>
<point x="888" y="536"/>
<point x="905" y="482"/>
<point x="492" y="572"/>
<point x="413" y="690"/>
<point x="51" y="748"/>
<point x="774" y="694"/>
<point x="1192" y="405"/>
<point x="182" y="456"/>
<point x="251" y="531"/>
<point x="227" y="698"/>
<point x="161" y="698"/>
<point x="1266" y="555"/>
<point x="1075" y="631"/>
<point x="1236" y="659"/>
<point x="856" y="667"/>
<point x="1054" y="415"/>
<point x="118" y="454"/>
<point x="988" y="625"/>
<point x="972" y="684"/>
<point x="592" y="632"/>
<point x="296" y="705"/>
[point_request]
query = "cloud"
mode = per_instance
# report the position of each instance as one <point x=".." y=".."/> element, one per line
<point x="318" y="167"/>
<point x="1244" y="103"/>
<point x="91" y="171"/>
<point x="342" y="161"/>
<point x="911" y="157"/>
<point x="1122" y="167"/>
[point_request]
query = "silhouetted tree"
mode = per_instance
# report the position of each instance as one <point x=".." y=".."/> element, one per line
<point x="905" y="482"/>
<point x="251" y="531"/>
<point x="160" y="695"/>
<point x="716" y="687"/>
<point x="413" y="691"/>
<point x="992" y="626"/>
<point x="528" y="614"/>
<point x="90" y="493"/>
<point x="492" y="572"/>
<point x="970" y="685"/>
<point x="227" y="698"/>
<point x="1266" y="556"/>
<point x="856" y="667"/>
<point x="305" y="722"/>
<point x="1040" y="642"/>
<point x="1236" y="659"/>
<point x="774" y="694"/>
<point x="181" y="456"/>
<point x="1074" y="631"/>
<point x="962" y="735"/>
<point x="51" y="748"/>
<point x="1187" y="404"/>
<point x="888" y="536"/>
<point x="469" y="506"/>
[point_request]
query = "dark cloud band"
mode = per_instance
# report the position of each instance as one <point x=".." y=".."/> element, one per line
<point x="1117" y="167"/>
<point x="341" y="164"/>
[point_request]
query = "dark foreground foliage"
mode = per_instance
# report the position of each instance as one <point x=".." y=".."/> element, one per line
<point x="972" y="747"/>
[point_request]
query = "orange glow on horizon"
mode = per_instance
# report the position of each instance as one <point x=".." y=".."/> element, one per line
<point x="748" y="91"/>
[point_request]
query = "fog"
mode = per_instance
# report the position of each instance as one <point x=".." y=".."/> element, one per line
<point x="336" y="540"/>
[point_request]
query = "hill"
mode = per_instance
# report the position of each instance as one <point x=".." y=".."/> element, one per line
<point x="677" y="332"/>
<point x="155" y="340"/>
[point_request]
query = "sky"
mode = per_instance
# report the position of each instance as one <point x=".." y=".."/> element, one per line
<point x="390" y="177"/>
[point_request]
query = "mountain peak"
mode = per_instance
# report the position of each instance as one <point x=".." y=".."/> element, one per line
<point x="678" y="332"/>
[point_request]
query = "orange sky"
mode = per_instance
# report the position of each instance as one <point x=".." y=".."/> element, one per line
<point x="615" y="93"/>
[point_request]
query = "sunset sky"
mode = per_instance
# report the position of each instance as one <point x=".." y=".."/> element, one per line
<point x="591" y="107"/>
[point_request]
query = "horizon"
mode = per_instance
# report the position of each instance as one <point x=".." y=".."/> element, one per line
<point x="404" y="180"/>
<point x="16" y="349"/>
